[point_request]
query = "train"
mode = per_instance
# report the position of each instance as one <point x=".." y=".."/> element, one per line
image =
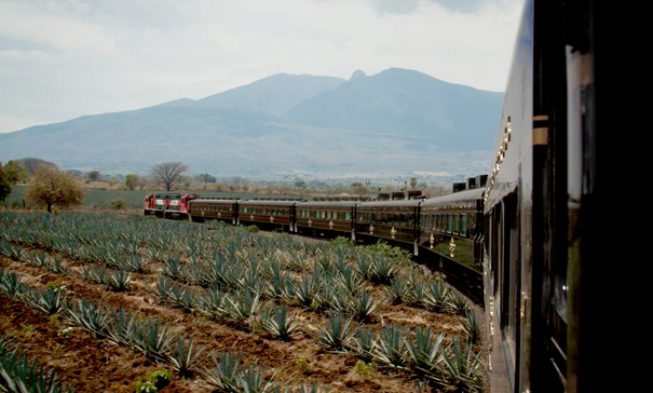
<point x="522" y="239"/>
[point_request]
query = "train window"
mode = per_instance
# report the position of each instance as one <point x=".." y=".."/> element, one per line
<point x="449" y="223"/>
<point x="347" y="217"/>
<point x="244" y="210"/>
<point x="463" y="225"/>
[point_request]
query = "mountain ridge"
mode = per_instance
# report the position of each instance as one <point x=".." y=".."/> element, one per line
<point x="327" y="125"/>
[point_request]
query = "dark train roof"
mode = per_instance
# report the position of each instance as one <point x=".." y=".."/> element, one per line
<point x="267" y="203"/>
<point x="217" y="201"/>
<point x="408" y="203"/>
<point x="328" y="204"/>
<point x="456" y="198"/>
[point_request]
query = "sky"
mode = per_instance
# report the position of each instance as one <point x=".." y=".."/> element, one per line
<point x="61" y="59"/>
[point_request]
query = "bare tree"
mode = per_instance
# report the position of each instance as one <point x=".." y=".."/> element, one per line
<point x="205" y="178"/>
<point x="168" y="173"/>
<point x="50" y="186"/>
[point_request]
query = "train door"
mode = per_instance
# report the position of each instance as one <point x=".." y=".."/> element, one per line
<point x="510" y="261"/>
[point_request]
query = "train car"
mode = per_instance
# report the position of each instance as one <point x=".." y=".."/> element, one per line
<point x="396" y="222"/>
<point x="184" y="205"/>
<point x="539" y="199"/>
<point x="213" y="209"/>
<point x="452" y="225"/>
<point x="162" y="204"/>
<point x="336" y="218"/>
<point x="451" y="239"/>
<point x="149" y="205"/>
<point x="267" y="214"/>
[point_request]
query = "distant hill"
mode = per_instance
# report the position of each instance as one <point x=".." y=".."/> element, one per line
<point x="405" y="102"/>
<point x="275" y="94"/>
<point x="395" y="121"/>
<point x="31" y="163"/>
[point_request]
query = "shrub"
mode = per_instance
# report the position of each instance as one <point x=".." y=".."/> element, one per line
<point x="118" y="203"/>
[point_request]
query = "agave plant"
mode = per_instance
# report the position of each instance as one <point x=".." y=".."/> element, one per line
<point x="279" y="286"/>
<point x="252" y="381"/>
<point x="437" y="297"/>
<point x="119" y="281"/>
<point x="307" y="291"/>
<point x="132" y="263"/>
<point x="57" y="266"/>
<point x="90" y="317"/>
<point x="337" y="334"/>
<point x="279" y="324"/>
<point x="416" y="293"/>
<point x="183" y="356"/>
<point x="397" y="293"/>
<point x="243" y="305"/>
<point x="210" y="301"/>
<point x="457" y="304"/>
<point x="461" y="368"/>
<point x="305" y="389"/>
<point x="472" y="327"/>
<point x="51" y="301"/>
<point x="350" y="280"/>
<point x="40" y="259"/>
<point x="172" y="267"/>
<point x="381" y="271"/>
<point x="391" y="348"/>
<point x="363" y="266"/>
<point x="181" y="297"/>
<point x="423" y="351"/>
<point x="162" y="289"/>
<point x="19" y="374"/>
<point x="364" y="344"/>
<point x="98" y="275"/>
<point x="225" y="374"/>
<point x="122" y="327"/>
<point x="362" y="306"/>
<point x="10" y="284"/>
<point x="152" y="338"/>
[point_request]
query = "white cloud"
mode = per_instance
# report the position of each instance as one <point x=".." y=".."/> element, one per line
<point x="65" y="58"/>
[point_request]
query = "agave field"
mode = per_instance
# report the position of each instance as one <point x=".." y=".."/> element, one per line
<point x="93" y="303"/>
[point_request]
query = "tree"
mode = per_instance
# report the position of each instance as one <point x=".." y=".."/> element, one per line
<point x="132" y="181"/>
<point x="205" y="178"/>
<point x="299" y="182"/>
<point x="15" y="172"/>
<point x="168" y="173"/>
<point x="93" y="175"/>
<point x="50" y="186"/>
<point x="5" y="185"/>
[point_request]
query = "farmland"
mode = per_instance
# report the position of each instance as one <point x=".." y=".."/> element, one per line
<point x="128" y="303"/>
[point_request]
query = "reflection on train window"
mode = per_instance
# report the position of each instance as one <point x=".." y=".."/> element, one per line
<point x="463" y="225"/>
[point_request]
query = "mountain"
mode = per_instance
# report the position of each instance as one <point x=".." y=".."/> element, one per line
<point x="395" y="121"/>
<point x="409" y="103"/>
<point x="275" y="94"/>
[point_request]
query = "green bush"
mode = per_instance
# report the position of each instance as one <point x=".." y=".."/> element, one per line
<point x="118" y="203"/>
